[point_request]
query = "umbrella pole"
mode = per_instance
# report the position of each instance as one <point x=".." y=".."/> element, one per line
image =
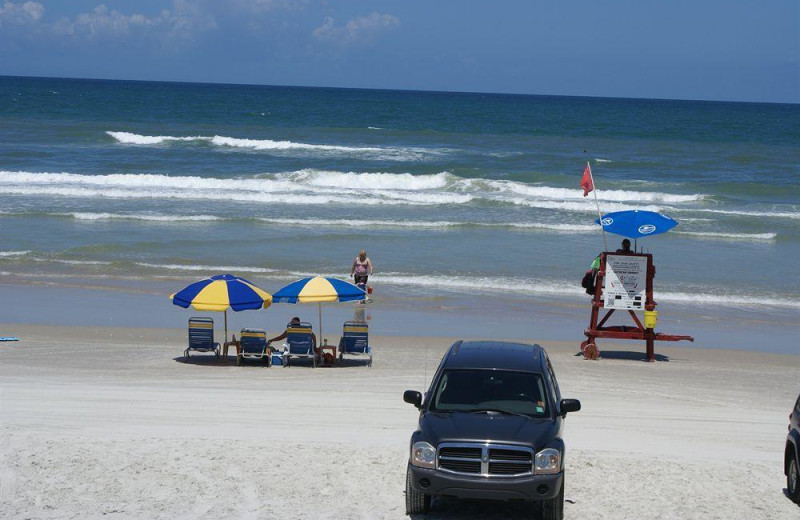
<point x="319" y="307"/>
<point x="226" y="325"/>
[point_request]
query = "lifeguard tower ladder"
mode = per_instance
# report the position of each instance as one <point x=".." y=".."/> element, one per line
<point x="625" y="282"/>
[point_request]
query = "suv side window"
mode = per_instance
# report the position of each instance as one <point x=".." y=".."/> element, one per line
<point x="435" y="379"/>
<point x="553" y="378"/>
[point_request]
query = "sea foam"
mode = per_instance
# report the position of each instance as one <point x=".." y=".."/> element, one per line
<point x="210" y="268"/>
<point x="528" y="286"/>
<point x="368" y="180"/>
<point x="178" y="219"/>
<point x="278" y="146"/>
<point x="770" y="214"/>
<point x="730" y="236"/>
<point x="130" y="138"/>
<point x="141" y="216"/>
<point x="315" y="187"/>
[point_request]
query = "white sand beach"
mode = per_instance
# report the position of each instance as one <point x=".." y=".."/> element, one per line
<point x="113" y="423"/>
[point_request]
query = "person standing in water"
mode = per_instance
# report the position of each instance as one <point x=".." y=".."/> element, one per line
<point x="361" y="269"/>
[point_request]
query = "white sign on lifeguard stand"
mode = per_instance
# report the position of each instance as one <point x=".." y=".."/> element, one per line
<point x="625" y="282"/>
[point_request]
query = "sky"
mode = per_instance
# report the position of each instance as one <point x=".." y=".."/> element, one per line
<point x="723" y="50"/>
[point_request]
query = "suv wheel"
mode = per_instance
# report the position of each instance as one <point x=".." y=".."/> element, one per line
<point x="553" y="508"/>
<point x="416" y="503"/>
<point x="793" y="479"/>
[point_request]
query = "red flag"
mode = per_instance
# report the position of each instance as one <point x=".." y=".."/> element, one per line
<point x="586" y="181"/>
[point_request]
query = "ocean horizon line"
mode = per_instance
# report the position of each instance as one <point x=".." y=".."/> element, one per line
<point x="407" y="90"/>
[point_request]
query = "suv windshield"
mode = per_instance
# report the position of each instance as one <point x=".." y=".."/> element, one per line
<point x="466" y="390"/>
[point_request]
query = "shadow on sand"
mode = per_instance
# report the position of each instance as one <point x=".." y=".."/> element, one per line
<point x="448" y="508"/>
<point x="208" y="360"/>
<point x="627" y="355"/>
<point x="214" y="361"/>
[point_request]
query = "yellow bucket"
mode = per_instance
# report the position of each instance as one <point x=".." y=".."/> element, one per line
<point x="650" y="319"/>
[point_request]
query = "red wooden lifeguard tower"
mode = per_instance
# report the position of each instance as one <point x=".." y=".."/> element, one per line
<point x="624" y="281"/>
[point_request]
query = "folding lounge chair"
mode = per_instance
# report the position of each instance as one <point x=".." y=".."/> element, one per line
<point x="299" y="343"/>
<point x="355" y="340"/>
<point x="201" y="336"/>
<point x="253" y="345"/>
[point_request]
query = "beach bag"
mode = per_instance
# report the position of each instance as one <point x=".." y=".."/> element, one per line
<point x="588" y="282"/>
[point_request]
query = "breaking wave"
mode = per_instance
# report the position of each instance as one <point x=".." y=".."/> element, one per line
<point x="377" y="223"/>
<point x="141" y="216"/>
<point x="730" y="236"/>
<point x="315" y="222"/>
<point x="270" y="145"/>
<point x="781" y="214"/>
<point x="211" y="268"/>
<point x="500" y="286"/>
<point x="129" y="138"/>
<point x="525" y="286"/>
<point x="310" y="186"/>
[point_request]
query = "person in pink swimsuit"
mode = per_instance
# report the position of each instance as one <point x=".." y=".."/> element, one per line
<point x="361" y="269"/>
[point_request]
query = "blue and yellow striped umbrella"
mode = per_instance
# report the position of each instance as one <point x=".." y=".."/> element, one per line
<point x="221" y="292"/>
<point x="319" y="289"/>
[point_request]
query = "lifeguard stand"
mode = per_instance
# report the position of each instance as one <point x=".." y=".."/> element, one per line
<point x="625" y="282"/>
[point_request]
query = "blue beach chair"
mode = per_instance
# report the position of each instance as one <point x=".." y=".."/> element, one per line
<point x="299" y="343"/>
<point x="201" y="336"/>
<point x="355" y="340"/>
<point x="253" y="345"/>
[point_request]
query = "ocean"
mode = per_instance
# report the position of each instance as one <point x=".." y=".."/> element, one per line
<point x="456" y="197"/>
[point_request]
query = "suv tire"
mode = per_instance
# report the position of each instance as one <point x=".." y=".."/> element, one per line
<point x="793" y="479"/>
<point x="416" y="503"/>
<point x="553" y="508"/>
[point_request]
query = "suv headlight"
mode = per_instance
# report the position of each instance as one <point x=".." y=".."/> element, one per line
<point x="547" y="461"/>
<point x="423" y="455"/>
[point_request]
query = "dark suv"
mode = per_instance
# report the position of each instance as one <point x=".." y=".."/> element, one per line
<point x="791" y="458"/>
<point x="490" y="428"/>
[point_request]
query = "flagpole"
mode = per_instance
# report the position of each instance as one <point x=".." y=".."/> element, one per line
<point x="599" y="214"/>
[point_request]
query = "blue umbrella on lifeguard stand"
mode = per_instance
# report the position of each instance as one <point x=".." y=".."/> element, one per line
<point x="636" y="223"/>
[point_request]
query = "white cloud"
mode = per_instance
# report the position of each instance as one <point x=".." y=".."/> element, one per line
<point x="357" y="30"/>
<point x="264" y="6"/>
<point x="20" y="14"/>
<point x="181" y="22"/>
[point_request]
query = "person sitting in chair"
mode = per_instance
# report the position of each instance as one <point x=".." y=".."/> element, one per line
<point x="296" y="323"/>
<point x="626" y="247"/>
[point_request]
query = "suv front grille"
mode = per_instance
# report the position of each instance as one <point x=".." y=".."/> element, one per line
<point x="487" y="460"/>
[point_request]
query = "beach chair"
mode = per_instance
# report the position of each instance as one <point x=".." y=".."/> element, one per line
<point x="299" y="343"/>
<point x="355" y="340"/>
<point x="253" y="345"/>
<point x="201" y="336"/>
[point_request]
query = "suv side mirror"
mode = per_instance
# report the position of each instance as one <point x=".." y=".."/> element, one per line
<point x="570" y="405"/>
<point x="415" y="398"/>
